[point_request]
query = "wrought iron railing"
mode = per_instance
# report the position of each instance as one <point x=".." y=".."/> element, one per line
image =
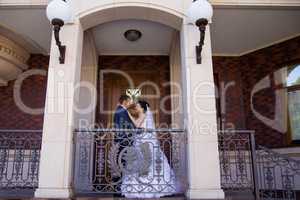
<point x="19" y="160"/>
<point x="236" y="160"/>
<point x="139" y="162"/>
<point x="247" y="167"/>
<point x="278" y="175"/>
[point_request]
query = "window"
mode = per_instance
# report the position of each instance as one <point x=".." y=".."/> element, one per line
<point x="293" y="88"/>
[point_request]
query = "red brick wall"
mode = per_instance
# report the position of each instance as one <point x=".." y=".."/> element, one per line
<point x="248" y="70"/>
<point x="33" y="94"/>
<point x="245" y="71"/>
<point x="258" y="65"/>
<point x="141" y="64"/>
<point x="227" y="73"/>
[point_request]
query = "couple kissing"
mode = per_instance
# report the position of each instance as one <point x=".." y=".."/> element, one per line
<point x="146" y="172"/>
<point x="129" y="114"/>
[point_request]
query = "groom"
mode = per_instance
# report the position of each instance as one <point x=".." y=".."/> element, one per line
<point x="123" y="138"/>
<point x="121" y="116"/>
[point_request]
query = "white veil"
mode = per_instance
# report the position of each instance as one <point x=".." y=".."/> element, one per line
<point x="150" y="124"/>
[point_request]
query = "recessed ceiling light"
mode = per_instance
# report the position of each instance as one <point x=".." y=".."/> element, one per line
<point x="132" y="35"/>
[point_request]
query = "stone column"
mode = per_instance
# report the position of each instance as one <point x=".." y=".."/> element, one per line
<point x="86" y="107"/>
<point x="56" y="154"/>
<point x="200" y="117"/>
<point x="175" y="77"/>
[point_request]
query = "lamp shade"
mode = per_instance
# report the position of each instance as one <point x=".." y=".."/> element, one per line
<point x="58" y="9"/>
<point x="200" y="9"/>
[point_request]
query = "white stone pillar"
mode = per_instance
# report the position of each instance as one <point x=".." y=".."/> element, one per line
<point x="175" y="77"/>
<point x="200" y="117"/>
<point x="88" y="90"/>
<point x="56" y="155"/>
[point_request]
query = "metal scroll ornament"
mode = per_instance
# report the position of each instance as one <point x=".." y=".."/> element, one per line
<point x="147" y="159"/>
<point x="113" y="161"/>
<point x="130" y="157"/>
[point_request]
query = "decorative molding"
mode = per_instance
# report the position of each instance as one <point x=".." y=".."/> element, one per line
<point x="256" y="49"/>
<point x="24" y="3"/>
<point x="13" y="60"/>
<point x="285" y="3"/>
<point x="21" y="40"/>
<point x="134" y="53"/>
<point x="3" y="82"/>
<point x="10" y="54"/>
<point x="270" y="44"/>
<point x="13" y="53"/>
<point x="225" y="55"/>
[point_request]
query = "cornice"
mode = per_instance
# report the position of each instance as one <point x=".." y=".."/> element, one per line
<point x="278" y="3"/>
<point x="13" y="53"/>
<point x="256" y="49"/>
<point x="23" y="3"/>
<point x="13" y="60"/>
<point x="259" y="3"/>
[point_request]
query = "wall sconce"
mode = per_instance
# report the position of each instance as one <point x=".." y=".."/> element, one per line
<point x="58" y="13"/>
<point x="200" y="13"/>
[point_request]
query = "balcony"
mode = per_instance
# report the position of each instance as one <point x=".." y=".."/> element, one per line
<point x="19" y="162"/>
<point x="131" y="162"/>
<point x="145" y="162"/>
<point x="250" y="171"/>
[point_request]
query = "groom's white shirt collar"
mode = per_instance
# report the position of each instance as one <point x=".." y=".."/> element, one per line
<point x="123" y="106"/>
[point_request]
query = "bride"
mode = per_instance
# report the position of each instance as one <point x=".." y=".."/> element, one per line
<point x="156" y="179"/>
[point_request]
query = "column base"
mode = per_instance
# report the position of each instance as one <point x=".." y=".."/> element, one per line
<point x="53" y="193"/>
<point x="205" y="194"/>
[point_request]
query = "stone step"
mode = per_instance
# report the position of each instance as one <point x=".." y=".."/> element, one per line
<point x="97" y="198"/>
<point x="239" y="195"/>
<point x="118" y="198"/>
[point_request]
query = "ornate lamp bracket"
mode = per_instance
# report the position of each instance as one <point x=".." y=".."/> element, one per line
<point x="58" y="13"/>
<point x="201" y="23"/>
<point x="57" y="24"/>
<point x="200" y="13"/>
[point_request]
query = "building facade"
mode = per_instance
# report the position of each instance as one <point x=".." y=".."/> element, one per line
<point x="53" y="114"/>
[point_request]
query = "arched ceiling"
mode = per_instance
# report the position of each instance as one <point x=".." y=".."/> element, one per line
<point x="156" y="38"/>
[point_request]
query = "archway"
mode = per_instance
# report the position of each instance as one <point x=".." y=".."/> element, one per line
<point x="139" y="11"/>
<point x="171" y="143"/>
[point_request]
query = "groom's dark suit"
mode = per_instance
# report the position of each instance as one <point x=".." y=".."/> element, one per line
<point x="123" y="138"/>
<point x="122" y="119"/>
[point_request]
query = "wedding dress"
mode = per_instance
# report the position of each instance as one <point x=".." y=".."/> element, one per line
<point x="155" y="178"/>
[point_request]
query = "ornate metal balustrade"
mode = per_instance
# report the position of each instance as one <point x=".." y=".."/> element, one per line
<point x="278" y="176"/>
<point x="236" y="160"/>
<point x="263" y="172"/>
<point x="110" y="161"/>
<point x="19" y="161"/>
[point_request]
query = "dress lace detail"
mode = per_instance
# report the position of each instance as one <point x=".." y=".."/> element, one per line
<point x="154" y="178"/>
